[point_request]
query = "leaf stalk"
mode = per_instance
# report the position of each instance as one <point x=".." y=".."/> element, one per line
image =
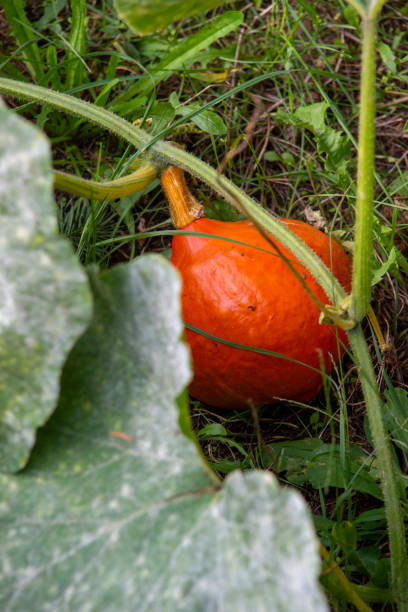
<point x="108" y="190"/>
<point x="393" y="509"/>
<point x="362" y="260"/>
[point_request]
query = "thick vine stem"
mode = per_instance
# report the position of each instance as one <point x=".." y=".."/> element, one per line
<point x="360" y="303"/>
<point x="361" y="282"/>
<point x="106" y="190"/>
<point x="74" y="106"/>
<point x="393" y="509"/>
<point x="374" y="8"/>
<point x="166" y="154"/>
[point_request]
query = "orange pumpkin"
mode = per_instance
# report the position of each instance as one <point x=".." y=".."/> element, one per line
<point x="250" y="297"/>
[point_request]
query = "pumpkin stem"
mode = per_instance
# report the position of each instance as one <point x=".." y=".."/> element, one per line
<point x="184" y="208"/>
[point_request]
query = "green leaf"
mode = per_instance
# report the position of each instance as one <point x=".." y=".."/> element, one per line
<point x="399" y="186"/>
<point x="25" y="37"/>
<point x="351" y="16"/>
<point x="379" y="273"/>
<point x="212" y="429"/>
<point x="291" y="456"/>
<point x="116" y="511"/>
<point x="345" y="535"/>
<point x="148" y="16"/>
<point x="395" y="416"/>
<point x="369" y="557"/>
<point x="182" y="55"/>
<point x="325" y="470"/>
<point x="207" y="120"/>
<point x="52" y="9"/>
<point x="331" y="144"/>
<point x="388" y="57"/>
<point x="44" y="295"/>
<point x="161" y="115"/>
<point x="312" y="461"/>
<point x="221" y="210"/>
<point x="75" y="65"/>
<point x="312" y="116"/>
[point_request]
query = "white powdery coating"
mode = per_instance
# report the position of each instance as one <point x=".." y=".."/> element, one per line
<point x="8" y="310"/>
<point x="119" y="524"/>
<point x="23" y="184"/>
<point x="44" y="304"/>
<point x="253" y="549"/>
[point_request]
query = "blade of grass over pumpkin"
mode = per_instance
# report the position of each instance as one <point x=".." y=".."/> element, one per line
<point x="120" y="240"/>
<point x="153" y="234"/>
<point x="246" y="347"/>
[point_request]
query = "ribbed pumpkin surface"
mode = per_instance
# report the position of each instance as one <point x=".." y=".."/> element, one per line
<point x="250" y="297"/>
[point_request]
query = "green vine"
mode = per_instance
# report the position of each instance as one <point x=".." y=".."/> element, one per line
<point x="108" y="190"/>
<point x="165" y="154"/>
<point x="361" y="283"/>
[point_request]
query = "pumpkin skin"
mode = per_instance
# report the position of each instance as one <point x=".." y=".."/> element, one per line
<point x="251" y="297"/>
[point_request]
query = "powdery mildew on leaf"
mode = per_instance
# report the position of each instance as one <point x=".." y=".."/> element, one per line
<point x="252" y="549"/>
<point x="44" y="296"/>
<point x="115" y="510"/>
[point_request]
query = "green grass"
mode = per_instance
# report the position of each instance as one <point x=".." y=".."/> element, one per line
<point x="298" y="165"/>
